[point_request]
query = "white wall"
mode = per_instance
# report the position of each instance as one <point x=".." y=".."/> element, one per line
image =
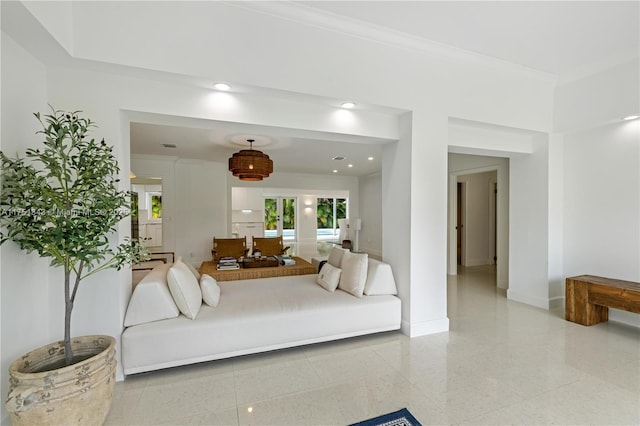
<point x="555" y="233"/>
<point x="600" y="211"/>
<point x="467" y="137"/>
<point x="528" y="226"/>
<point x="201" y="211"/>
<point x="428" y="222"/>
<point x="194" y="203"/>
<point x="396" y="229"/>
<point x="370" y="236"/>
<point x="314" y="61"/>
<point x="24" y="282"/>
<point x="597" y="99"/>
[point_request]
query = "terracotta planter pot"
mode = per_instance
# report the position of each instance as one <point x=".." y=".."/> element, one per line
<point x="79" y="394"/>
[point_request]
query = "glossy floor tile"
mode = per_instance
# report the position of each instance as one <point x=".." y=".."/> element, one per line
<point x="502" y="362"/>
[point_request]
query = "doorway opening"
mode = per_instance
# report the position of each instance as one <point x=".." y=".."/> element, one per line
<point x="146" y="220"/>
<point x="478" y="215"/>
<point x="280" y="217"/>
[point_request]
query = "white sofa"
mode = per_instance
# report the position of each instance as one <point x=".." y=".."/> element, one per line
<point x="253" y="316"/>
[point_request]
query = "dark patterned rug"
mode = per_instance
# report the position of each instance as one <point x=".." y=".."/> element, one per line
<point x="398" y="418"/>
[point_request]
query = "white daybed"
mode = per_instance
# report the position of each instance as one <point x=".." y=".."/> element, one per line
<point x="254" y="316"/>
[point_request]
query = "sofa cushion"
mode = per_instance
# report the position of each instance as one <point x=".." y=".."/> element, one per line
<point x="335" y="256"/>
<point x="193" y="270"/>
<point x="354" y="273"/>
<point x="329" y="277"/>
<point x="185" y="290"/>
<point x="210" y="290"/>
<point x="379" y="279"/>
<point x="151" y="300"/>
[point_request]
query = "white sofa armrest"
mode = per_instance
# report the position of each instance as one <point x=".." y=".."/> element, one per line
<point x="379" y="279"/>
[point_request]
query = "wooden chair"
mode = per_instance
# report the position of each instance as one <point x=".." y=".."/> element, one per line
<point x="233" y="247"/>
<point x="273" y="246"/>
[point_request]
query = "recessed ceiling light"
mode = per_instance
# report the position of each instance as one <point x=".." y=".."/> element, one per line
<point x="338" y="158"/>
<point x="631" y="117"/>
<point x="335" y="171"/>
<point x="370" y="158"/>
<point x="222" y="86"/>
<point x="169" y="145"/>
<point x="348" y="105"/>
<point x="350" y="165"/>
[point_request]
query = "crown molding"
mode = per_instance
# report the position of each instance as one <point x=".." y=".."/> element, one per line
<point x="308" y="15"/>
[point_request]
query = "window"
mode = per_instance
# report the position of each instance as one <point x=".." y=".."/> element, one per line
<point x="156" y="207"/>
<point x="280" y="217"/>
<point x="329" y="211"/>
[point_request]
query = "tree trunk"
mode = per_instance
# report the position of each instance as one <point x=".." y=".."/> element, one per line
<point x="68" y="306"/>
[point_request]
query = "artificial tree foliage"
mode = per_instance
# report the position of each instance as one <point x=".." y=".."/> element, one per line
<point x="63" y="202"/>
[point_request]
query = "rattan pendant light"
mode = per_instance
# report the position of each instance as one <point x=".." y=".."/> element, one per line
<point x="250" y="164"/>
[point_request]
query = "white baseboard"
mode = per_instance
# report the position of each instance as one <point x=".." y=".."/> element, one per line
<point x="628" y="318"/>
<point x="424" y="328"/>
<point x="529" y="300"/>
<point x="556" y="302"/>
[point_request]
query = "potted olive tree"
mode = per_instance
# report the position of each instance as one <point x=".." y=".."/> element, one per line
<point x="62" y="201"/>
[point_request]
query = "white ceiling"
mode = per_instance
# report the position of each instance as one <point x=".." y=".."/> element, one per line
<point x="563" y="38"/>
<point x="557" y="37"/>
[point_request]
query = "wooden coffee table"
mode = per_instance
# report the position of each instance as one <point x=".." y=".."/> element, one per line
<point x="302" y="267"/>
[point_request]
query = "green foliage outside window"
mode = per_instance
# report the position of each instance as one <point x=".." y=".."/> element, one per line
<point x="271" y="213"/>
<point x="156" y="207"/>
<point x="289" y="213"/>
<point x="325" y="213"/>
<point x="326" y="218"/>
<point x="341" y="208"/>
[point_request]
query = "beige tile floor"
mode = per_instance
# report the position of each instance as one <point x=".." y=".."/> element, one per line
<point x="501" y="363"/>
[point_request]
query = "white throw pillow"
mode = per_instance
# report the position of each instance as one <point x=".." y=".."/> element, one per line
<point x="193" y="270"/>
<point x="379" y="279"/>
<point x="335" y="256"/>
<point x="329" y="277"/>
<point x="210" y="290"/>
<point x="151" y="299"/>
<point x="354" y="273"/>
<point x="185" y="289"/>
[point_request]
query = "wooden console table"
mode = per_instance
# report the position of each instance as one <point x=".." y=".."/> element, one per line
<point x="302" y="267"/>
<point x="588" y="298"/>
